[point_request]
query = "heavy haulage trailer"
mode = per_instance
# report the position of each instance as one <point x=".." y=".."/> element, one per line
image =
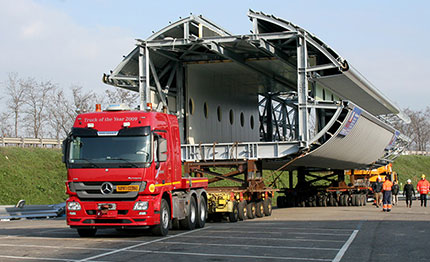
<point x="277" y="98"/>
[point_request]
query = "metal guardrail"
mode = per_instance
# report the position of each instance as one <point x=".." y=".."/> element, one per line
<point x="30" y="142"/>
<point x="416" y="153"/>
<point x="30" y="211"/>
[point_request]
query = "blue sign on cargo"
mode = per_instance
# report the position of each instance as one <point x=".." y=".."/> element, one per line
<point x="356" y="112"/>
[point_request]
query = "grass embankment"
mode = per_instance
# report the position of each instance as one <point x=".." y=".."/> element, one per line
<point x="412" y="167"/>
<point x="34" y="174"/>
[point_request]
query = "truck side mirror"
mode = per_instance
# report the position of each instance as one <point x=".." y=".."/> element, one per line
<point x="162" y="149"/>
<point x="64" y="149"/>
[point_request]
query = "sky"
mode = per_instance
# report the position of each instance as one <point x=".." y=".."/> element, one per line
<point x="73" y="42"/>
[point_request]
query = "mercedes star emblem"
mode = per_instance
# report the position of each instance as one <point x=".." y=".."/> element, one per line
<point x="106" y="188"/>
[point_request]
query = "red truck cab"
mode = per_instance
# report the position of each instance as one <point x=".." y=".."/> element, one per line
<point x="124" y="170"/>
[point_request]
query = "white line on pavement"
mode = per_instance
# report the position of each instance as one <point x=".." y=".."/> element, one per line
<point x="249" y="246"/>
<point x="268" y="232"/>
<point x="345" y="247"/>
<point x="264" y="238"/>
<point x="39" y="258"/>
<point x="289" y="228"/>
<point x="142" y="244"/>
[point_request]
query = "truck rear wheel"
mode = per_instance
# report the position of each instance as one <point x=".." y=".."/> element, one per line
<point x="354" y="200"/>
<point x="243" y="211"/>
<point x="162" y="229"/>
<point x="251" y="210"/>
<point x="87" y="232"/>
<point x="189" y="222"/>
<point x="267" y="206"/>
<point x="234" y="215"/>
<point x="201" y="218"/>
<point x="259" y="209"/>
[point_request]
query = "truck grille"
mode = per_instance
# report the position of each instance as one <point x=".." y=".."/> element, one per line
<point x="93" y="190"/>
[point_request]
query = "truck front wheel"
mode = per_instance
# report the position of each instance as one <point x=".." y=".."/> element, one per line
<point x="162" y="229"/>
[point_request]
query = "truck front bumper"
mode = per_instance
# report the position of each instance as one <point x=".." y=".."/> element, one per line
<point x="121" y="216"/>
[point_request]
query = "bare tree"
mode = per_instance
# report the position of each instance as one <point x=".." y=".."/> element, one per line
<point x="61" y="114"/>
<point x="17" y="91"/>
<point x="85" y="102"/>
<point x="419" y="128"/>
<point x="37" y="103"/>
<point x="119" y="95"/>
<point x="5" y="127"/>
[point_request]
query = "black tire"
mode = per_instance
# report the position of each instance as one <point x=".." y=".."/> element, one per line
<point x="234" y="215"/>
<point x="251" y="210"/>
<point x="189" y="222"/>
<point x="354" y="200"/>
<point x="324" y="201"/>
<point x="341" y="201"/>
<point x="348" y="200"/>
<point x="162" y="229"/>
<point x="87" y="232"/>
<point x="364" y="199"/>
<point x="259" y="209"/>
<point x="331" y="201"/>
<point x="243" y="210"/>
<point x="202" y="213"/>
<point x="267" y="206"/>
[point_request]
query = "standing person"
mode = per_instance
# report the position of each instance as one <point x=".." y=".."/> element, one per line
<point x="423" y="189"/>
<point x="408" y="190"/>
<point x="386" y="189"/>
<point x="395" y="191"/>
<point x="377" y="191"/>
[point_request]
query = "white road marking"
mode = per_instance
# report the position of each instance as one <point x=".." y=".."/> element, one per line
<point x="289" y="228"/>
<point x="57" y="247"/>
<point x="345" y="246"/>
<point x="142" y="244"/>
<point x="268" y="232"/>
<point x="273" y="238"/>
<point x="226" y="255"/>
<point x="39" y="258"/>
<point x="251" y="246"/>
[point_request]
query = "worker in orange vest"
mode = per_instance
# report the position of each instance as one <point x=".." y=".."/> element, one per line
<point x="386" y="189"/>
<point x="423" y="189"/>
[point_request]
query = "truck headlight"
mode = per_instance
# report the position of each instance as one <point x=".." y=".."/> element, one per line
<point x="73" y="206"/>
<point x="141" y="205"/>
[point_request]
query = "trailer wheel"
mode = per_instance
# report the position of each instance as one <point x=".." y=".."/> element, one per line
<point x="259" y="209"/>
<point x="87" y="232"/>
<point x="234" y="215"/>
<point x="324" y="201"/>
<point x="267" y="206"/>
<point x="364" y="199"/>
<point x="251" y="210"/>
<point x="203" y="208"/>
<point x="243" y="210"/>
<point x="162" y="229"/>
<point x="354" y="200"/>
<point x="189" y="222"/>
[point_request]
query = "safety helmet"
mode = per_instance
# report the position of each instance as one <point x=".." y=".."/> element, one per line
<point x="409" y="181"/>
<point x="423" y="176"/>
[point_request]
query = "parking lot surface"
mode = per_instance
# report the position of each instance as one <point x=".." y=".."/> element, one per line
<point x="291" y="234"/>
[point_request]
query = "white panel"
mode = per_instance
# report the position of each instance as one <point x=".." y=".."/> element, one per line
<point x="229" y="87"/>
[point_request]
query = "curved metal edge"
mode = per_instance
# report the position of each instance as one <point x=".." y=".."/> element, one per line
<point x="327" y="126"/>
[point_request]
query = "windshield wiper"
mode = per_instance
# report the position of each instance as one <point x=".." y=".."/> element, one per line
<point x="123" y="159"/>
<point x="90" y="162"/>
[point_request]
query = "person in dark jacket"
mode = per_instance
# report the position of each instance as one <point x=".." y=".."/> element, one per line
<point x="377" y="191"/>
<point x="408" y="190"/>
<point x="395" y="191"/>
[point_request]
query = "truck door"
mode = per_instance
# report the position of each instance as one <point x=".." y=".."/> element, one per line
<point x="161" y="157"/>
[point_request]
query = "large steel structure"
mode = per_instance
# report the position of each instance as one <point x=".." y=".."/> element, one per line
<point x="278" y="94"/>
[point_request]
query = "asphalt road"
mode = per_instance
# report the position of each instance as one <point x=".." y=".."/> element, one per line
<point x="291" y="234"/>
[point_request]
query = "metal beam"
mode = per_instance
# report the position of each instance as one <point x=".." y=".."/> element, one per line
<point x="320" y="67"/>
<point x="271" y="49"/>
<point x="302" y="90"/>
<point x="157" y="84"/>
<point x="215" y="47"/>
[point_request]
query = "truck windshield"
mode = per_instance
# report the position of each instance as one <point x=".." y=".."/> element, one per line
<point x="109" y="151"/>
